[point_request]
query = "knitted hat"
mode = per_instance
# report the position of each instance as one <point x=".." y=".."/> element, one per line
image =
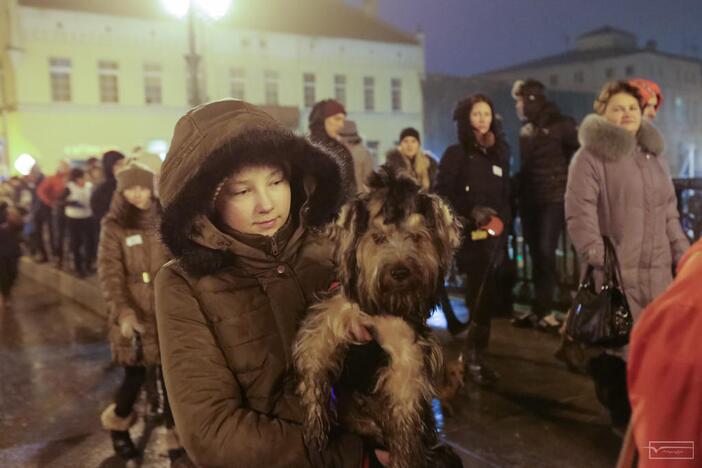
<point x="333" y="107"/>
<point x="133" y="174"/>
<point x="529" y="89"/>
<point x="409" y="132"/>
<point x="648" y="89"/>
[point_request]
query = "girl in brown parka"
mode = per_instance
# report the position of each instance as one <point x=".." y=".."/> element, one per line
<point x="130" y="254"/>
<point x="243" y="200"/>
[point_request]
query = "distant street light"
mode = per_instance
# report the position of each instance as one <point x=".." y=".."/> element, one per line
<point x="214" y="9"/>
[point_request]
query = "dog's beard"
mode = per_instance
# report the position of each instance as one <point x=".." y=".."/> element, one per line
<point x="412" y="301"/>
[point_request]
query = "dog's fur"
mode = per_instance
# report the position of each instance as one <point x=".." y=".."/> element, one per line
<point x="452" y="381"/>
<point x="394" y="244"/>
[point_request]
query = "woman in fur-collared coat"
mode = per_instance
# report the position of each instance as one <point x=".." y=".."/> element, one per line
<point x="130" y="254"/>
<point x="619" y="186"/>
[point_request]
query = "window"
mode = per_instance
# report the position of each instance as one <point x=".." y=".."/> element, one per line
<point x="609" y="73"/>
<point x="107" y="74"/>
<point x="237" y="87"/>
<point x="309" y="91"/>
<point x="373" y="146"/>
<point x="553" y="80"/>
<point x="152" y="83"/>
<point x="579" y="76"/>
<point x="629" y="70"/>
<point x="396" y="94"/>
<point x="270" y="79"/>
<point x="369" y="93"/>
<point x="60" y="77"/>
<point x="340" y="88"/>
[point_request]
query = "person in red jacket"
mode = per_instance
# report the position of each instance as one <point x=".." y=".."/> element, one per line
<point x="665" y="372"/>
<point x="50" y="192"/>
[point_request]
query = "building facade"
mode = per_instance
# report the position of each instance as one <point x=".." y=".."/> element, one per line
<point x="80" y="77"/>
<point x="610" y="54"/>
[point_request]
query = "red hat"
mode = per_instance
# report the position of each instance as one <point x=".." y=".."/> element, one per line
<point x="648" y="89"/>
<point x="333" y="107"/>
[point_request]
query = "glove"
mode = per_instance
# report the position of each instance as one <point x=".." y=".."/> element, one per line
<point x="129" y="324"/>
<point x="481" y="215"/>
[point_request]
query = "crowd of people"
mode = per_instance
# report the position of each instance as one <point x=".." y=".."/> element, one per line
<point x="239" y="203"/>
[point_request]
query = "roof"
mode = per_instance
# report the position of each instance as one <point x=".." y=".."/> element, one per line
<point x="605" y="30"/>
<point x="325" y="18"/>
<point x="580" y="56"/>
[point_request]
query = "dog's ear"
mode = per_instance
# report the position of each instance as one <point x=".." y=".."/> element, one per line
<point x="351" y="225"/>
<point x="447" y="227"/>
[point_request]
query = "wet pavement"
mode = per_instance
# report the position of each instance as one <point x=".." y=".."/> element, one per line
<point x="56" y="377"/>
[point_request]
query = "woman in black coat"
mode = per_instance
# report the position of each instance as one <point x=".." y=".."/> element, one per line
<point x="474" y="178"/>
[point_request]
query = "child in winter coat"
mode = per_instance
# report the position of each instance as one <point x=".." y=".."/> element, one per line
<point x="10" y="230"/>
<point x="130" y="254"/>
<point x="243" y="198"/>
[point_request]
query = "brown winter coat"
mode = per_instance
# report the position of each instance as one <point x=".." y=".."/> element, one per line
<point x="619" y="185"/>
<point x="129" y="256"/>
<point x="229" y="305"/>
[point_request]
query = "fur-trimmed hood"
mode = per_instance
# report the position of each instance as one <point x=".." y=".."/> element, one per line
<point x="209" y="143"/>
<point x="610" y="143"/>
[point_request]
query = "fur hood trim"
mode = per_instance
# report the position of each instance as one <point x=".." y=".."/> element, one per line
<point x="610" y="143"/>
<point x="251" y="138"/>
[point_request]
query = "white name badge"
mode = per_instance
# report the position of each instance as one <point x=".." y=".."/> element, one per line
<point x="497" y="170"/>
<point x="467" y="188"/>
<point x="134" y="240"/>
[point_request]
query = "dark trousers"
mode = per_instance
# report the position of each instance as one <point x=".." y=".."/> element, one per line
<point x="609" y="375"/>
<point x="42" y="218"/>
<point x="478" y="261"/>
<point x="58" y="231"/>
<point x="82" y="236"/>
<point x="8" y="274"/>
<point x="542" y="226"/>
<point x="128" y="392"/>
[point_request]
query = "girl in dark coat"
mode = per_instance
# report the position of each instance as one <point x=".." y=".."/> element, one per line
<point x="326" y="120"/>
<point x="474" y="178"/>
<point x="10" y="230"/>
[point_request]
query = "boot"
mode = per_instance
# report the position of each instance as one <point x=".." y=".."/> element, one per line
<point x="477" y="342"/>
<point x="176" y="452"/>
<point x="119" y="432"/>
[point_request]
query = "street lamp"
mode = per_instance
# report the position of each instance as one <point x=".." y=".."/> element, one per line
<point x="214" y="9"/>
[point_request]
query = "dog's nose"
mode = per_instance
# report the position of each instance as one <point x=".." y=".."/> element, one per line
<point x="400" y="274"/>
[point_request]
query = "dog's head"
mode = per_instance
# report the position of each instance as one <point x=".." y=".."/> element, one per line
<point x="394" y="245"/>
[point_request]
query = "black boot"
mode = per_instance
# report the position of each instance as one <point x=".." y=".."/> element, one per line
<point x="477" y="342"/>
<point x="123" y="445"/>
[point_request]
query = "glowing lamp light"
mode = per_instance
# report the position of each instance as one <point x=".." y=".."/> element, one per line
<point x="177" y="8"/>
<point x="215" y="9"/>
<point x="24" y="163"/>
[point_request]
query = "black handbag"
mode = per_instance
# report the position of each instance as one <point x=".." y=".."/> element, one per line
<point x="601" y="318"/>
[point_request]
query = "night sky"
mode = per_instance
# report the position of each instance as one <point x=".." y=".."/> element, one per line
<point x="464" y="37"/>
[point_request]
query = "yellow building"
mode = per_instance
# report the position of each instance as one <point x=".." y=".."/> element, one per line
<point x="79" y="77"/>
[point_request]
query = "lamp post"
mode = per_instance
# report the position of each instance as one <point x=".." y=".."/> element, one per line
<point x="213" y="9"/>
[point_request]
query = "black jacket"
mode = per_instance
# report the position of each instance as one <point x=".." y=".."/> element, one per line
<point x="470" y="176"/>
<point x="547" y="143"/>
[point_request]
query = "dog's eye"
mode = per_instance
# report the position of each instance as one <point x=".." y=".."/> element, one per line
<point x="378" y="238"/>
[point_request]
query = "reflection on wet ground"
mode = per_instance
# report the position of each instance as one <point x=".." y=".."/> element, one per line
<point x="56" y="377"/>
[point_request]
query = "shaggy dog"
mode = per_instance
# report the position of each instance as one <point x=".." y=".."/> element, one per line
<point x="394" y="244"/>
